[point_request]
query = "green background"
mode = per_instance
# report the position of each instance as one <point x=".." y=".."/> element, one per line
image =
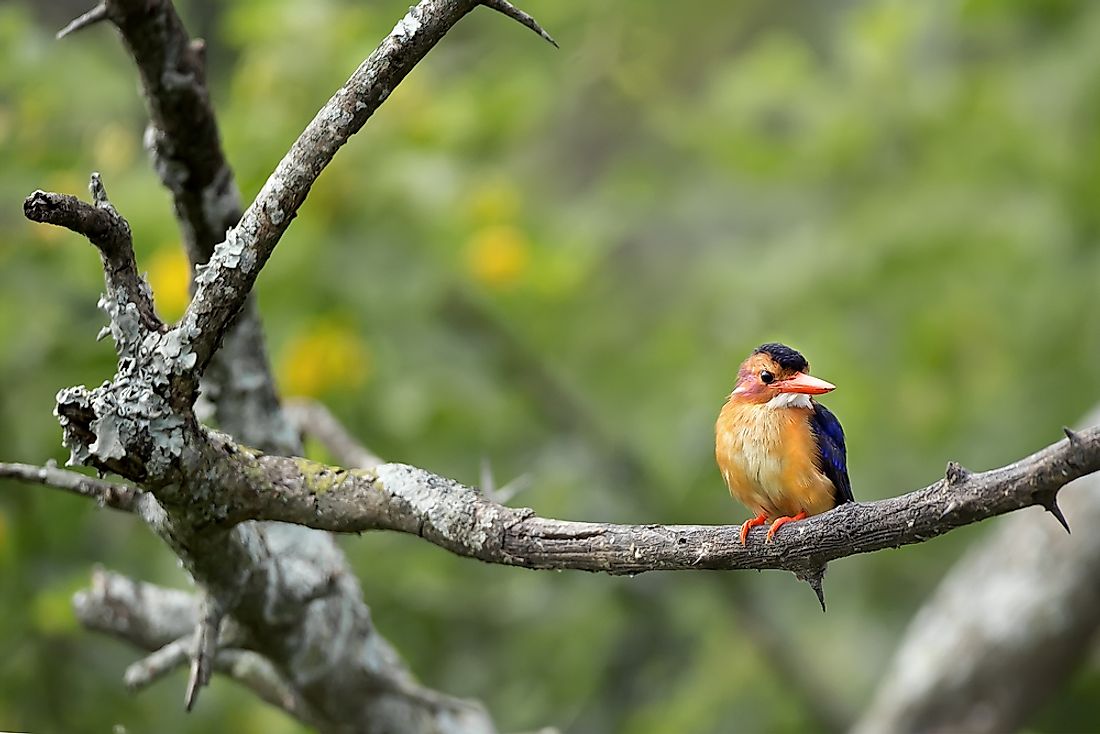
<point x="553" y="261"/>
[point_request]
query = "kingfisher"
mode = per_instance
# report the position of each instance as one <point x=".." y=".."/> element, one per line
<point x="781" y="453"/>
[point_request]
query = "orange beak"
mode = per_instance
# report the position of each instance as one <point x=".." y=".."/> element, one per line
<point x="804" y="383"/>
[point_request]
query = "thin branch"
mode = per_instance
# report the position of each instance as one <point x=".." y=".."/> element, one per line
<point x="93" y="16"/>
<point x="107" y="494"/>
<point x="186" y="149"/>
<point x="257" y="673"/>
<point x="159" y="663"/>
<point x="372" y="679"/>
<point x="128" y="610"/>
<point x="458" y="518"/>
<point x="110" y="233"/>
<point x="505" y="7"/>
<point x="223" y="286"/>
<point x="142" y="614"/>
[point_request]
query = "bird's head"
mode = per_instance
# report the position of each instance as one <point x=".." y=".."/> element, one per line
<point x="778" y="375"/>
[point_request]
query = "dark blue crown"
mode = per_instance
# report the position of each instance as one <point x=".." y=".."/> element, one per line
<point x="784" y="356"/>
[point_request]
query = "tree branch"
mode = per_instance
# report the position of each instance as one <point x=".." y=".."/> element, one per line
<point x="144" y="615"/>
<point x="458" y="518"/>
<point x="506" y="8"/>
<point x="185" y="146"/>
<point x="147" y="616"/>
<point x="159" y="663"/>
<point x="97" y="14"/>
<point x="224" y="284"/>
<point x="110" y="233"/>
<point x="107" y="494"/>
<point x="311" y="623"/>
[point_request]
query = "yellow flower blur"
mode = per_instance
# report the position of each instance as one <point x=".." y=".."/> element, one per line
<point x="497" y="256"/>
<point x="169" y="277"/>
<point x="329" y="356"/>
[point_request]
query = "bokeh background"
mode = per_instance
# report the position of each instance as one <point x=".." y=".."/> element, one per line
<point x="553" y="261"/>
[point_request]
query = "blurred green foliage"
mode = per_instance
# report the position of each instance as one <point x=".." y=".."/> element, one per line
<point x="554" y="260"/>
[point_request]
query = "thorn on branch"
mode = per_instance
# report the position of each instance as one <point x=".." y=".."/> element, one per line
<point x="506" y="8"/>
<point x="197" y="47"/>
<point x="99" y="194"/>
<point x="1073" y="436"/>
<point x="501" y="495"/>
<point x="93" y="16"/>
<point x="815" y="577"/>
<point x="98" y="221"/>
<point x="956" y="474"/>
<point x="205" y="648"/>
<point x="1052" y="507"/>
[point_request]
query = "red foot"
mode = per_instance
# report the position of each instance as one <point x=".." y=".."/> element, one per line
<point x="780" y="522"/>
<point x="750" y="524"/>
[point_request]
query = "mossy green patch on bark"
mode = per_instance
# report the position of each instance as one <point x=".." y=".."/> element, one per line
<point x="320" y="478"/>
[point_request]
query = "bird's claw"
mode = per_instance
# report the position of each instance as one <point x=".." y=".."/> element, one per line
<point x="780" y="522"/>
<point x="750" y="524"/>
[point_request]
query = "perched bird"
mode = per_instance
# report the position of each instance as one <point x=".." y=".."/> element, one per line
<point x="781" y="453"/>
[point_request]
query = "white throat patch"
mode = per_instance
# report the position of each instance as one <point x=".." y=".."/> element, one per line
<point x="790" y="400"/>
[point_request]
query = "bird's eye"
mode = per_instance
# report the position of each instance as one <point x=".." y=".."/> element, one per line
<point x="767" y="377"/>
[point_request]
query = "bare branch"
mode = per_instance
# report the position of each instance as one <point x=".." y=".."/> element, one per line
<point x="337" y="660"/>
<point x="455" y="517"/>
<point x="142" y="614"/>
<point x="93" y="16"/>
<point x="110" y="233"/>
<point x="249" y="668"/>
<point x="107" y="494"/>
<point x="225" y="283"/>
<point x="158" y="663"/>
<point x="186" y="149"/>
<point x="341" y="655"/>
<point x="505" y="7"/>
<point x="256" y="672"/>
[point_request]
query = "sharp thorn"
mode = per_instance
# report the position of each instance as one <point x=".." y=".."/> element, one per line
<point x="815" y="577"/>
<point x="1073" y="436"/>
<point x="506" y="8"/>
<point x="205" y="648"/>
<point x="956" y="473"/>
<point x="193" y="686"/>
<point x="95" y="187"/>
<point x="93" y="16"/>
<point x="1055" y="510"/>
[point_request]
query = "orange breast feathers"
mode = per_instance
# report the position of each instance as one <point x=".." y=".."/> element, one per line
<point x="767" y="457"/>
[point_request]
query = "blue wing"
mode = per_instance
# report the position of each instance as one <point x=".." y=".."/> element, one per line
<point x="832" y="456"/>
